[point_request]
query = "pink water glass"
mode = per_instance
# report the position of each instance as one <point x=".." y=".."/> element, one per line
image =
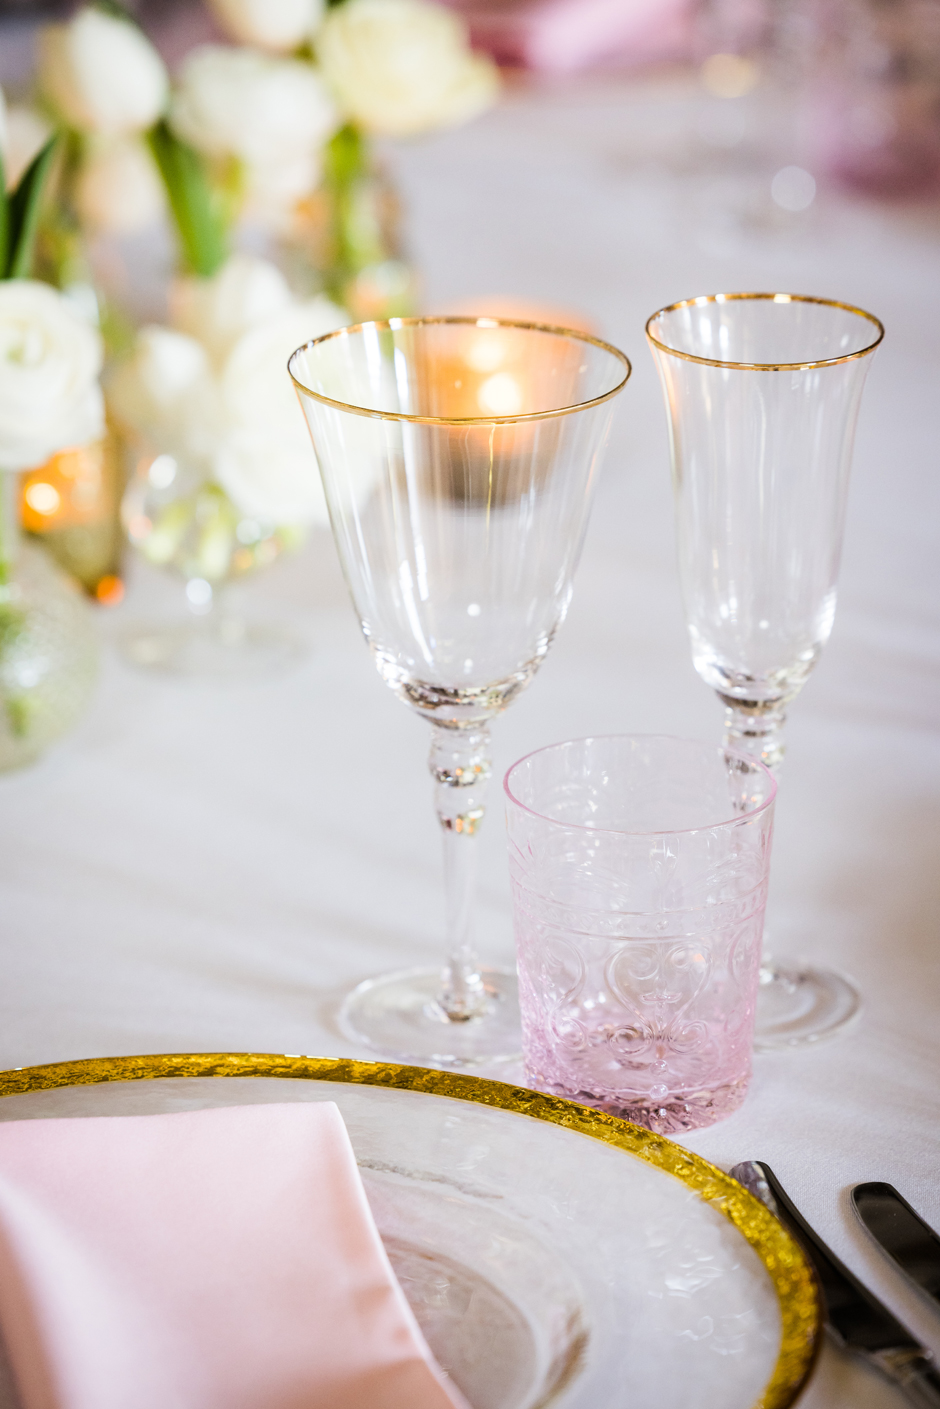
<point x="639" y="870"/>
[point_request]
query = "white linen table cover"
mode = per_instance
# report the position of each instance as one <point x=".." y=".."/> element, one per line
<point x="211" y="868"/>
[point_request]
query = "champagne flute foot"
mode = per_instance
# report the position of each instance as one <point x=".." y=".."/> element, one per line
<point x="798" y="1006"/>
<point x="400" y="1016"/>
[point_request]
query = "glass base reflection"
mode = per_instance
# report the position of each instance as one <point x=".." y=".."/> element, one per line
<point x="399" y="1015"/>
<point x="799" y="1006"/>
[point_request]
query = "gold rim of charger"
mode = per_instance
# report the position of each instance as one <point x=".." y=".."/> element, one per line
<point x="393" y="324"/>
<point x="787" y="1267"/>
<point x="764" y="366"/>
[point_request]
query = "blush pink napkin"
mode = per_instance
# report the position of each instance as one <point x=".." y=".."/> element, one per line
<point x="219" y="1259"/>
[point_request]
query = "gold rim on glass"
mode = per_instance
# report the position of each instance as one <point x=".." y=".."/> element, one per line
<point x="393" y="325"/>
<point x="765" y="366"/>
<point x="784" y="1261"/>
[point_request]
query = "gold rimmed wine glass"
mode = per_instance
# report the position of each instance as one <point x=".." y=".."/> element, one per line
<point x="459" y="458"/>
<point x="762" y="393"/>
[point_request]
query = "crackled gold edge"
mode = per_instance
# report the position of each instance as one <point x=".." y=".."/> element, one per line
<point x="786" y="1265"/>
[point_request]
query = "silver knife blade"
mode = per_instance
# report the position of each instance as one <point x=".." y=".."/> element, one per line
<point x="901" y="1232"/>
<point x="855" y="1318"/>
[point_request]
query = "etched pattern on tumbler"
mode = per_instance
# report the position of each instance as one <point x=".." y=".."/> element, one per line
<point x="639" y="871"/>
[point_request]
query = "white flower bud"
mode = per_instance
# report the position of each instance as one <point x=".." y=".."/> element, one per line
<point x="264" y="461"/>
<point x="276" y="25"/>
<point x="236" y="102"/>
<point x="27" y="132"/>
<point x="101" y="74"/>
<point x="400" y="67"/>
<point x="164" y="391"/>
<point x="246" y="291"/>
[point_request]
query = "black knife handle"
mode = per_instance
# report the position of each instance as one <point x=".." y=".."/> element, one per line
<point x="900" y="1232"/>
<point x="854" y="1314"/>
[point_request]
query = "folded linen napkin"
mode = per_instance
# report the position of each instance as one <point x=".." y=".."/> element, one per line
<point x="217" y="1259"/>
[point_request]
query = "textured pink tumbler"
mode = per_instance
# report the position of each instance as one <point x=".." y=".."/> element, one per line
<point x="639" y="870"/>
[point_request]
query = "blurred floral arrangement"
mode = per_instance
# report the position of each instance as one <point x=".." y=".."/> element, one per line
<point x="260" y="153"/>
<point x="50" y="398"/>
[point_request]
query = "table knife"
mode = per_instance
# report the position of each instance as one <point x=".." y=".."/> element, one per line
<point x="901" y="1232"/>
<point x="855" y="1318"/>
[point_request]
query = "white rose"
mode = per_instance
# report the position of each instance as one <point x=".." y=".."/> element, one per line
<point x="118" y="189"/>
<point x="49" y="363"/>
<point x="236" y="102"/>
<point x="265" y="461"/>
<point x="165" y="392"/>
<point x="277" y="25"/>
<point x="246" y="291"/>
<point x="399" y="67"/>
<point x="101" y="74"/>
<point x="27" y="132"/>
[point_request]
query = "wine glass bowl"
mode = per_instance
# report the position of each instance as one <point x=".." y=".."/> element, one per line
<point x="459" y="458"/>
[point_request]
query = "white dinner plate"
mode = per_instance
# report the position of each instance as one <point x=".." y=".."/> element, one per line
<point x="553" y="1255"/>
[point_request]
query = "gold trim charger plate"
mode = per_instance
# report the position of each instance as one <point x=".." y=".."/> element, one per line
<point x="553" y="1255"/>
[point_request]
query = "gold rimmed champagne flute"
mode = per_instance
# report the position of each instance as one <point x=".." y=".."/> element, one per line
<point x="762" y="394"/>
<point x="459" y="458"/>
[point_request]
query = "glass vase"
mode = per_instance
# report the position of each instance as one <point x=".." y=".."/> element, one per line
<point x="72" y="504"/>
<point x="48" y="643"/>
<point x="180" y="520"/>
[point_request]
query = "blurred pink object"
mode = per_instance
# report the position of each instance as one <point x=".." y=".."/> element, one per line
<point x="218" y="1259"/>
<point x="561" y="36"/>
<point x="876" y="102"/>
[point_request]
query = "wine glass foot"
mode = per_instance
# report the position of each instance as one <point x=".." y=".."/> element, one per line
<point x="799" y="1006"/>
<point x="399" y="1016"/>
<point x="229" y="649"/>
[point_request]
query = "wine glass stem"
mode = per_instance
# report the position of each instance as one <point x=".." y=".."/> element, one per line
<point x="460" y="766"/>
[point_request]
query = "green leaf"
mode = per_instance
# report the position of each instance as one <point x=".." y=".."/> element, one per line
<point x="116" y="11"/>
<point x="4" y="219"/>
<point x="197" y="211"/>
<point x="23" y="213"/>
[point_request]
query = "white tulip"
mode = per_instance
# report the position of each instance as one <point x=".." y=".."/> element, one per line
<point x="400" y="67"/>
<point x="245" y="292"/>
<point x="263" y="110"/>
<point x="50" y="359"/>
<point x="118" y="189"/>
<point x="164" y="391"/>
<point x="265" y="461"/>
<point x="101" y="74"/>
<point x="27" y="132"/>
<point x="276" y="25"/>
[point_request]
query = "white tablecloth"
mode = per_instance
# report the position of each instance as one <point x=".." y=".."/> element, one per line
<point x="210" y="868"/>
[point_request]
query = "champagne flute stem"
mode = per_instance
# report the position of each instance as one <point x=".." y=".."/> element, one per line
<point x="759" y="734"/>
<point x="460" y="766"/>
